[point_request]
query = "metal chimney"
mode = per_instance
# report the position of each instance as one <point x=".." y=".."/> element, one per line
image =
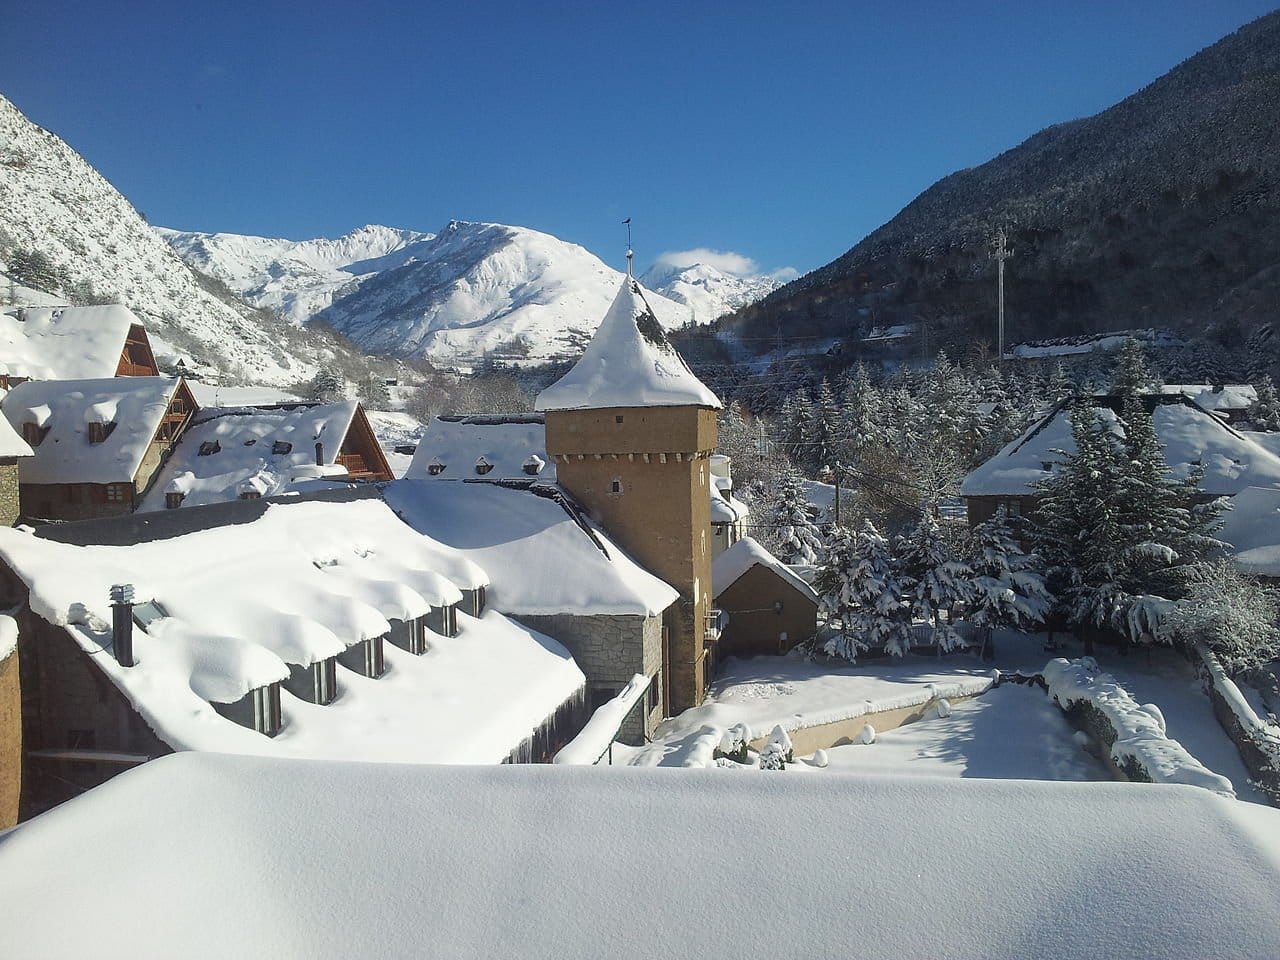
<point x="319" y="454"/>
<point x="122" y="623"/>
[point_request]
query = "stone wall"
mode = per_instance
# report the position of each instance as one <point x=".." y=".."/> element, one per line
<point x="610" y="650"/>
<point x="10" y="507"/>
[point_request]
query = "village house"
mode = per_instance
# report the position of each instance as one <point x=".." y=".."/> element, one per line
<point x="12" y="448"/>
<point x="247" y="452"/>
<point x="768" y="608"/>
<point x="1191" y="437"/>
<point x="326" y="628"/>
<point x="1230" y="401"/>
<point x="96" y="444"/>
<point x="728" y="514"/>
<point x="73" y="343"/>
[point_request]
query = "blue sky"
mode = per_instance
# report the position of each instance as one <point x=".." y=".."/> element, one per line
<point x="783" y="132"/>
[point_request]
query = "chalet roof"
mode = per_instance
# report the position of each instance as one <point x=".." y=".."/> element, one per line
<point x="1252" y="527"/>
<point x="135" y="404"/>
<point x="1189" y="435"/>
<point x="544" y="554"/>
<point x="731" y="565"/>
<point x="273" y="446"/>
<point x="299" y="583"/>
<point x="64" y="343"/>
<point x="628" y="363"/>
<point x="526" y="860"/>
<point x="1229" y="396"/>
<point x="507" y="442"/>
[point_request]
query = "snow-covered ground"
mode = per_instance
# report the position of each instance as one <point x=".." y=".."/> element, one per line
<point x="393" y="429"/>
<point x="197" y="855"/>
<point x="1013" y="733"/>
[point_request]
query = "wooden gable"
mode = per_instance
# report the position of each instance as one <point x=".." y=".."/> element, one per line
<point x="137" y="358"/>
<point x="360" y="452"/>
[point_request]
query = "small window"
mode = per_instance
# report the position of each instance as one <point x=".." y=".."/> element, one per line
<point x="99" y="432"/>
<point x="651" y="695"/>
<point x="616" y="486"/>
<point x="618" y="418"/>
<point x="172" y="501"/>
<point x="209" y="448"/>
<point x="33" y="433"/>
<point x="281" y="447"/>
<point x="435" y="469"/>
<point x="250" y="495"/>
<point x="116" y="492"/>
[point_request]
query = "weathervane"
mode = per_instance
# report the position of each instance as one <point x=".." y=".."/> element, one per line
<point x="630" y="252"/>
<point x="1000" y="253"/>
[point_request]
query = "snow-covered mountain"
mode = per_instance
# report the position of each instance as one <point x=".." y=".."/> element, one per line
<point x="708" y="291"/>
<point x="486" y="288"/>
<point x="295" y="278"/>
<point x="53" y="202"/>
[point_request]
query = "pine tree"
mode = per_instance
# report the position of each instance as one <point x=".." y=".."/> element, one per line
<point x="1130" y="373"/>
<point x="1264" y="412"/>
<point x="328" y="386"/>
<point x="862" y="594"/>
<point x="374" y="394"/>
<point x="939" y="579"/>
<point x="795" y="534"/>
<point x="1008" y="587"/>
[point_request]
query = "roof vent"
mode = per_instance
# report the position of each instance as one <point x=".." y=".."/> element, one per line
<point x="208" y="448"/>
<point x="533" y="466"/>
<point x="435" y="467"/>
<point x="281" y="447"/>
<point x="483" y="466"/>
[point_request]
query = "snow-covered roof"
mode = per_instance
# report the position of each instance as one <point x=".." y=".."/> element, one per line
<point x="1252" y="527"/>
<point x="506" y="442"/>
<point x="729" y="567"/>
<point x="1230" y="396"/>
<point x="229" y="855"/>
<point x="725" y="507"/>
<point x="628" y="363"/>
<point x="273" y="446"/>
<point x="11" y="444"/>
<point x="66" y="407"/>
<point x="64" y="343"/>
<point x="1190" y="437"/>
<point x="545" y="556"/>
<point x="300" y="583"/>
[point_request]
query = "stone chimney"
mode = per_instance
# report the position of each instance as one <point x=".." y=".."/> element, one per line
<point x="122" y="623"/>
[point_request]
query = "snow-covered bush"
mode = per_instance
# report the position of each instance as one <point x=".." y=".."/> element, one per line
<point x="1231" y="614"/>
<point x="1008" y="586"/>
<point x="867" y="735"/>
<point x="735" y="743"/>
<point x="780" y="743"/>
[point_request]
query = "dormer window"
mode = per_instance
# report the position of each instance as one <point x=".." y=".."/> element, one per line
<point x="435" y="468"/>
<point x="98" y="431"/>
<point x="533" y="466"/>
<point x="483" y="466"/>
<point x="33" y="433"/>
<point x="250" y="495"/>
<point x="208" y="448"/>
<point x="173" y="499"/>
<point x="281" y="447"/>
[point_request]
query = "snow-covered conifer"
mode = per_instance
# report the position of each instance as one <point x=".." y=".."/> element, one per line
<point x="939" y="580"/>
<point x="795" y="535"/>
<point x="1008" y="588"/>
<point x="1264" y="412"/>
<point x="862" y="593"/>
<point x="1130" y="372"/>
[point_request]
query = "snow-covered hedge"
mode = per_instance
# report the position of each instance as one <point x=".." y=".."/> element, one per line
<point x="1257" y="739"/>
<point x="1133" y="732"/>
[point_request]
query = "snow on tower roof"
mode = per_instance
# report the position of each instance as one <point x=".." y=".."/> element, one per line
<point x="233" y="855"/>
<point x="276" y="445"/>
<point x="628" y="363"/>
<point x="729" y="567"/>
<point x="454" y="444"/>
<point x="64" y="343"/>
<point x="300" y="583"/>
<point x="544" y="556"/>
<point x="1190" y="437"/>
<point x="66" y="407"/>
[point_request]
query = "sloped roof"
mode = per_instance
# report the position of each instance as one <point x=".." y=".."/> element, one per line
<point x="1230" y="396"/>
<point x="1189" y="436"/>
<point x="544" y="556"/>
<point x="246" y="440"/>
<point x="628" y="363"/>
<point x="729" y="567"/>
<point x="11" y="444"/>
<point x="64" y="343"/>
<point x="135" y="404"/>
<point x="506" y="442"/>
<point x="1252" y="527"/>
<point x="300" y="583"/>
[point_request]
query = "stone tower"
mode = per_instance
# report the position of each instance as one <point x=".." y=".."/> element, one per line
<point x="632" y="431"/>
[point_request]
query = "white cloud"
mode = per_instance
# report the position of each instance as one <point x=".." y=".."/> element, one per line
<point x="785" y="274"/>
<point x="726" y="261"/>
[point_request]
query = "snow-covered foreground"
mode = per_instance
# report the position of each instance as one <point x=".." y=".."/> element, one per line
<point x="1013" y="733"/>
<point x="197" y="855"/>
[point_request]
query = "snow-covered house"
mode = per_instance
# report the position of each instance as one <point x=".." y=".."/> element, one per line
<point x="323" y="627"/>
<point x="1231" y="401"/>
<point x="73" y="343"/>
<point x="768" y="607"/>
<point x="1191" y="437"/>
<point x="12" y="448"/>
<point x="728" y="513"/>
<point x="558" y="572"/>
<point x="495" y="447"/>
<point x="96" y="444"/>
<point x="260" y="451"/>
<point x="631" y="431"/>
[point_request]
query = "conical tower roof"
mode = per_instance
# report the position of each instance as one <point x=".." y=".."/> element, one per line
<point x="628" y="363"/>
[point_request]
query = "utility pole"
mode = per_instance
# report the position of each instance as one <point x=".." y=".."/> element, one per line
<point x="1000" y="254"/>
<point x="630" y="253"/>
